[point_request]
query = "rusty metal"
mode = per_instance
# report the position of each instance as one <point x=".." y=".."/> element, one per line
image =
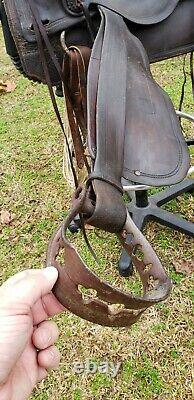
<point x="110" y="306"/>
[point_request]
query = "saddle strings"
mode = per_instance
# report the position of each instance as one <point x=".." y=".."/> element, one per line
<point x="41" y="36"/>
<point x="77" y="92"/>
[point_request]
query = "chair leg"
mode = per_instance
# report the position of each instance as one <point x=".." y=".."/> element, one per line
<point x="170" y="220"/>
<point x="172" y="192"/>
<point x="145" y="208"/>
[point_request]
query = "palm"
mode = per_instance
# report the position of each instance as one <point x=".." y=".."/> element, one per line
<point x="23" y="333"/>
<point x="24" y="376"/>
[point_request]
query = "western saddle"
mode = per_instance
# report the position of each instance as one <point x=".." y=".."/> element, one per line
<point x="124" y="127"/>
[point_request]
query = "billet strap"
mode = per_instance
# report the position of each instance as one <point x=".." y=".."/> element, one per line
<point x="185" y="79"/>
<point x="75" y="68"/>
<point x="92" y="91"/>
<point x="192" y="72"/>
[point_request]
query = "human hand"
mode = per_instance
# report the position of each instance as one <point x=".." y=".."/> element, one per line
<point x="27" y="350"/>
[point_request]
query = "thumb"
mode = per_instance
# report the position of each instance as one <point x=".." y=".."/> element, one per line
<point x="30" y="285"/>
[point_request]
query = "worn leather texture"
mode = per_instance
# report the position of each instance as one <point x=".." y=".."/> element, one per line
<point x="132" y="130"/>
<point x="151" y="124"/>
<point x="140" y="11"/>
<point x="57" y="15"/>
<point x="172" y="36"/>
<point x="155" y="152"/>
<point x="100" y="201"/>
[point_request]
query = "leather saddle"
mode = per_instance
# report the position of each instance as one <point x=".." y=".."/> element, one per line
<point x="124" y="126"/>
<point x="164" y="27"/>
<point x="142" y="12"/>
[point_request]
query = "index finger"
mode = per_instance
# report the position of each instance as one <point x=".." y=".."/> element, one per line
<point x="46" y="307"/>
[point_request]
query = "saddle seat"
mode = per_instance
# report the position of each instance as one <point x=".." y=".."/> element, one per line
<point x="59" y="15"/>
<point x="145" y="12"/>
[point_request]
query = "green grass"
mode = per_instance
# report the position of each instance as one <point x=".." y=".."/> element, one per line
<point x="156" y="352"/>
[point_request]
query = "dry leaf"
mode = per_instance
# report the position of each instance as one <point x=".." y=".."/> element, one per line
<point x="6" y="217"/>
<point x="184" y="267"/>
<point x="7" y="87"/>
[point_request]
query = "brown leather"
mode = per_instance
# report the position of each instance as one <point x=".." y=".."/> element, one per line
<point x="109" y="114"/>
<point x="105" y="305"/>
<point x="56" y="15"/>
<point x="114" y="90"/>
<point x="155" y="152"/>
<point x="75" y="69"/>
<point x="100" y="202"/>
<point x="172" y="36"/>
<point x="140" y="11"/>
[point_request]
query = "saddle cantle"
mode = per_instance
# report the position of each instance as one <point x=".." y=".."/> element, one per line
<point x="123" y="126"/>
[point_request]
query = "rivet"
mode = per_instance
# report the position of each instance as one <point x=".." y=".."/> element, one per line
<point x="138" y="173"/>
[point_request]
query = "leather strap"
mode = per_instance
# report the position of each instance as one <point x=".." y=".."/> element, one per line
<point x="75" y="75"/>
<point x="192" y="72"/>
<point x="41" y="36"/>
<point x="109" y="116"/>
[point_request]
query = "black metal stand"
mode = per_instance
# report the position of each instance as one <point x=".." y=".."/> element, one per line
<point x="144" y="208"/>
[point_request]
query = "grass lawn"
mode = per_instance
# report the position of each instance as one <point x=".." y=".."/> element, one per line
<point x="155" y="353"/>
